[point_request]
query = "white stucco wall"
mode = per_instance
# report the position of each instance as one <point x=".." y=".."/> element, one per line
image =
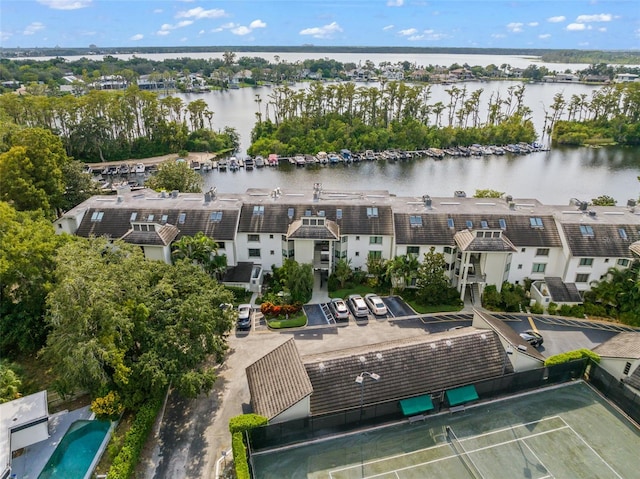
<point x="615" y="366"/>
<point x="29" y="435"/>
<point x="304" y="251"/>
<point x="158" y="253"/>
<point x="597" y="270"/>
<point x="527" y="258"/>
<point x="268" y="243"/>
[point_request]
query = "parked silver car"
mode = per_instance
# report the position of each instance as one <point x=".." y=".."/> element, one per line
<point x="339" y="309"/>
<point x="376" y="305"/>
<point x="358" y="306"/>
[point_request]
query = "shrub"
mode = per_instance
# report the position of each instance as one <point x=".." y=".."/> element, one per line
<point x="238" y="425"/>
<point x="125" y="462"/>
<point x="491" y="299"/>
<point x="552" y="308"/>
<point x="537" y="308"/>
<point x="108" y="406"/>
<point x="571" y="356"/>
<point x="565" y="310"/>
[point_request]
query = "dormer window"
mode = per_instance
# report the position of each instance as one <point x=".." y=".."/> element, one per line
<point x="372" y="211"/>
<point x="623" y="233"/>
<point x="415" y="220"/>
<point x="150" y="217"/>
<point x="97" y="216"/>
<point x="258" y="210"/>
<point x="339" y="214"/>
<point x="164" y="219"/>
<point x="182" y="218"/>
<point x="215" y="216"/>
<point x="484" y="224"/>
<point x="502" y="223"/>
<point x="469" y="224"/>
<point x="536" y="222"/>
<point x="290" y="212"/>
<point x="133" y="216"/>
<point x="586" y="231"/>
<point x="450" y="223"/>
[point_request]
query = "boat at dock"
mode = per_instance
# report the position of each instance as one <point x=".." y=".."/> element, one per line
<point x="248" y="163"/>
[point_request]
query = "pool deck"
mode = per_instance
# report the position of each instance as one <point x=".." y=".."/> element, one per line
<point x="30" y="464"/>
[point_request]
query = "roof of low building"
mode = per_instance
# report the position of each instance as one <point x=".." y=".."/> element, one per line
<point x="161" y="236"/>
<point x="562" y="292"/>
<point x="328" y="231"/>
<point x="278" y="380"/>
<point x="408" y="367"/>
<point x="509" y="335"/>
<point x="240" y="273"/>
<point x="470" y="241"/>
<point x="623" y="345"/>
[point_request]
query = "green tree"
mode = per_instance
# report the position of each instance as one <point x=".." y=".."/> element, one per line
<point x="200" y="249"/>
<point x="298" y="280"/>
<point x="342" y="271"/>
<point x="432" y="284"/>
<point x="402" y="269"/>
<point x="488" y="194"/>
<point x="9" y="383"/>
<point x="79" y="186"/>
<point x="604" y="200"/>
<point x="122" y="323"/>
<point x="619" y="293"/>
<point x="28" y="245"/>
<point x="31" y="171"/>
<point x="178" y="176"/>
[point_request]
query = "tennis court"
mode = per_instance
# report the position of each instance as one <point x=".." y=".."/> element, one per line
<point x="564" y="432"/>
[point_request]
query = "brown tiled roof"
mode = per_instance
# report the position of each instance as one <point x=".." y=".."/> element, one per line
<point x="354" y="218"/>
<point x="162" y="236"/>
<point x="606" y="239"/>
<point x="407" y="368"/>
<point x="435" y="229"/>
<point x="635" y="248"/>
<point x="622" y="345"/>
<point x="562" y="292"/>
<point x="468" y="241"/>
<point x="512" y="337"/>
<point x="116" y="221"/>
<point x="278" y="380"/>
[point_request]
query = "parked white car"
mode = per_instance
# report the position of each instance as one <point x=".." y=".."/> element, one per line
<point x="358" y="306"/>
<point x="376" y="305"/>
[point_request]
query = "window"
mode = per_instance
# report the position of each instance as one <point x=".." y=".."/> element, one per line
<point x="375" y="254"/>
<point x="375" y="239"/>
<point x="307" y="213"/>
<point x="627" y="368"/>
<point x="469" y="224"/>
<point x="623" y="233"/>
<point x="523" y="250"/>
<point x="136" y="227"/>
<point x="272" y="252"/>
<point x="253" y="238"/>
<point x="538" y="267"/>
<point x="357" y="238"/>
<point x="450" y="223"/>
<point x="290" y="213"/>
<point x="321" y="213"/>
<point x="414" y="250"/>
<point x="582" y="278"/>
<point x="542" y="252"/>
<point x="372" y="211"/>
<point x="586" y="230"/>
<point x="496" y="234"/>
<point x="606" y="260"/>
<point x="215" y="216"/>
<point x="254" y="253"/>
<point x="164" y="219"/>
<point x="150" y="217"/>
<point x="535" y="222"/>
<point x="258" y="210"/>
<point x="448" y="249"/>
<point x="182" y="218"/>
<point x="415" y="220"/>
<point x="357" y="253"/>
<point x="339" y="213"/>
<point x="152" y="227"/>
<point x="484" y="224"/>
<point x="221" y="244"/>
<point x="519" y="266"/>
<point x="586" y="261"/>
<point x="623" y="262"/>
<point x="344" y="239"/>
<point x="97" y="216"/>
<point x="502" y="223"/>
<point x="133" y="217"/>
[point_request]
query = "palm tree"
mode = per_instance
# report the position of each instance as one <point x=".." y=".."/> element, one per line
<point x="401" y="269"/>
<point x="200" y="249"/>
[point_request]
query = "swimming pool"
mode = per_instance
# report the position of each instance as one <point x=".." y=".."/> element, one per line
<point x="75" y="454"/>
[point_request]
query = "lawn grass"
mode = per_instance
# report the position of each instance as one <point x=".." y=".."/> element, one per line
<point x="360" y="289"/>
<point x="438" y="308"/>
<point x="296" y="321"/>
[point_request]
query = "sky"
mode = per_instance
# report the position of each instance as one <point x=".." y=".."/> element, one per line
<point x="572" y="24"/>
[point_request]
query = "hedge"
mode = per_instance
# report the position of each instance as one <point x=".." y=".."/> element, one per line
<point x="238" y="425"/>
<point x="571" y="356"/>
<point x="125" y="462"/>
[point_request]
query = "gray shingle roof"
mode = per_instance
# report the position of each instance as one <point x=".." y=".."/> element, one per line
<point x="435" y="228"/>
<point x="562" y="292"/>
<point x="634" y="379"/>
<point x="406" y="368"/>
<point x="468" y="241"/>
<point x="161" y="236"/>
<point x="509" y="334"/>
<point x="330" y="231"/>
<point x="240" y="273"/>
<point x="606" y="240"/>
<point x="623" y="345"/>
<point x="278" y="380"/>
<point x="354" y="218"/>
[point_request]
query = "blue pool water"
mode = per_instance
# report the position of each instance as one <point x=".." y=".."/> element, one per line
<point x="74" y="455"/>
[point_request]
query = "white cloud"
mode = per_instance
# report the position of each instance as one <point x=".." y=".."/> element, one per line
<point x="514" y="27"/>
<point x="136" y="37"/>
<point x="158" y="10"/>
<point x="533" y="24"/>
<point x="544" y="36"/>
<point x="408" y="32"/>
<point x="241" y="30"/>
<point x="5" y="35"/>
<point x="602" y="29"/>
<point x="576" y="27"/>
<point x="167" y="27"/>
<point x="325" y="31"/>
<point x="65" y="4"/>
<point x="395" y="3"/>
<point x="257" y="24"/>
<point x="199" y="13"/>
<point x="637" y="32"/>
<point x="33" y="28"/>
<point x="558" y="19"/>
<point x="388" y="27"/>
<point x="602" y="17"/>
<point x="583" y="44"/>
<point x="498" y="35"/>
<point x="201" y="32"/>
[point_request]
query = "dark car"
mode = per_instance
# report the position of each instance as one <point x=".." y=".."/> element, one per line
<point x="339" y="309"/>
<point x="244" y="317"/>
<point x="534" y="338"/>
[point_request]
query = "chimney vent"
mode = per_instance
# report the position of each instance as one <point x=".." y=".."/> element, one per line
<point x="509" y="198"/>
<point x="427" y="201"/>
<point x="174" y="194"/>
<point x="631" y="203"/>
<point x="583" y="206"/>
<point x="592" y="213"/>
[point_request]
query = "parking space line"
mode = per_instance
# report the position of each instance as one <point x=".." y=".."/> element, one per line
<point x="533" y="324"/>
